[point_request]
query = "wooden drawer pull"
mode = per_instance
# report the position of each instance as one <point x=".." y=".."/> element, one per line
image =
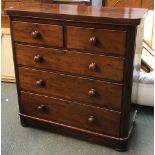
<point x="93" y="66"/>
<point x="38" y="58"/>
<point x="40" y="83"/>
<point x="42" y="108"/>
<point x="92" y="92"/>
<point x="93" y="41"/>
<point x="91" y="119"/>
<point x="36" y="35"/>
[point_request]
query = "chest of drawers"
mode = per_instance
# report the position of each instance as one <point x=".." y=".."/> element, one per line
<point x="75" y="69"/>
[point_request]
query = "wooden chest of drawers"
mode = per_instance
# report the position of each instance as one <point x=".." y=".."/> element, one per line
<point x="75" y="69"/>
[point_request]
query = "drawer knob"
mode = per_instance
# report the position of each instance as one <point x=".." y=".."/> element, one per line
<point x="91" y="119"/>
<point x="92" y="92"/>
<point x="42" y="108"/>
<point x="38" y="58"/>
<point x="93" y="41"/>
<point x="40" y="83"/>
<point x="36" y="35"/>
<point x="93" y="66"/>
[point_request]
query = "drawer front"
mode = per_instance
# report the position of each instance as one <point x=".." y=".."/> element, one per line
<point x="73" y="62"/>
<point x="43" y="34"/>
<point x="73" y="114"/>
<point x="97" y="40"/>
<point x="94" y="92"/>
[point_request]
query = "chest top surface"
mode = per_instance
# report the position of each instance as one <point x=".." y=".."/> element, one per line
<point x="98" y="14"/>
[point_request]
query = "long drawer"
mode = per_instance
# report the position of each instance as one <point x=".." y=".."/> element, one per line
<point x="74" y="114"/>
<point x="100" y="66"/>
<point x="88" y="91"/>
<point x="36" y="33"/>
<point x="97" y="40"/>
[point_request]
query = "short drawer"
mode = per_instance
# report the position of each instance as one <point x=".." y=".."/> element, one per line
<point x="99" y="66"/>
<point x="36" y="33"/>
<point x="88" y="91"/>
<point x="97" y="40"/>
<point x="69" y="113"/>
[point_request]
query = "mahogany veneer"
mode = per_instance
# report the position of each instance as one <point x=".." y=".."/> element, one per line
<point x="75" y="69"/>
<point x="99" y="66"/>
<point x="96" y="40"/>
<point x="71" y="87"/>
<point x="38" y="33"/>
<point x="66" y="112"/>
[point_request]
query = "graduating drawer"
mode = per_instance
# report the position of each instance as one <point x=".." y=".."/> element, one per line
<point x="69" y="113"/>
<point x="36" y="33"/>
<point x="88" y="91"/>
<point x="97" y="40"/>
<point x="99" y="66"/>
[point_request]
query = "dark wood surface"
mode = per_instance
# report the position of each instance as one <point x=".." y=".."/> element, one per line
<point x="128" y="16"/>
<point x="73" y="114"/>
<point x="85" y="64"/>
<point x="43" y="34"/>
<point x="108" y="91"/>
<point x="71" y="87"/>
<point x="13" y="3"/>
<point x="81" y="38"/>
<point x="110" y="3"/>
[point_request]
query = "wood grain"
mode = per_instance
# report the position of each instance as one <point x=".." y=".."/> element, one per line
<point x="80" y="13"/>
<point x="49" y="34"/>
<point x="71" y="113"/>
<point x="71" y="87"/>
<point x="78" y="38"/>
<point x="107" y="67"/>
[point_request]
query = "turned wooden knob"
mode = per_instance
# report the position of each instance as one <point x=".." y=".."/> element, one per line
<point x="40" y="83"/>
<point x="36" y="35"/>
<point x="93" y="66"/>
<point x="38" y="58"/>
<point x="92" y="92"/>
<point x="41" y="108"/>
<point x="91" y="119"/>
<point x="93" y="41"/>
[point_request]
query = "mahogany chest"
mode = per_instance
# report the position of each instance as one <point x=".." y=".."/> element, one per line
<point x="76" y="69"/>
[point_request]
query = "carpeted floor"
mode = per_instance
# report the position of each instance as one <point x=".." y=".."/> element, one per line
<point x="17" y="140"/>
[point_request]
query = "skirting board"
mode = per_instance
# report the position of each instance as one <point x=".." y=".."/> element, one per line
<point x="7" y="79"/>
